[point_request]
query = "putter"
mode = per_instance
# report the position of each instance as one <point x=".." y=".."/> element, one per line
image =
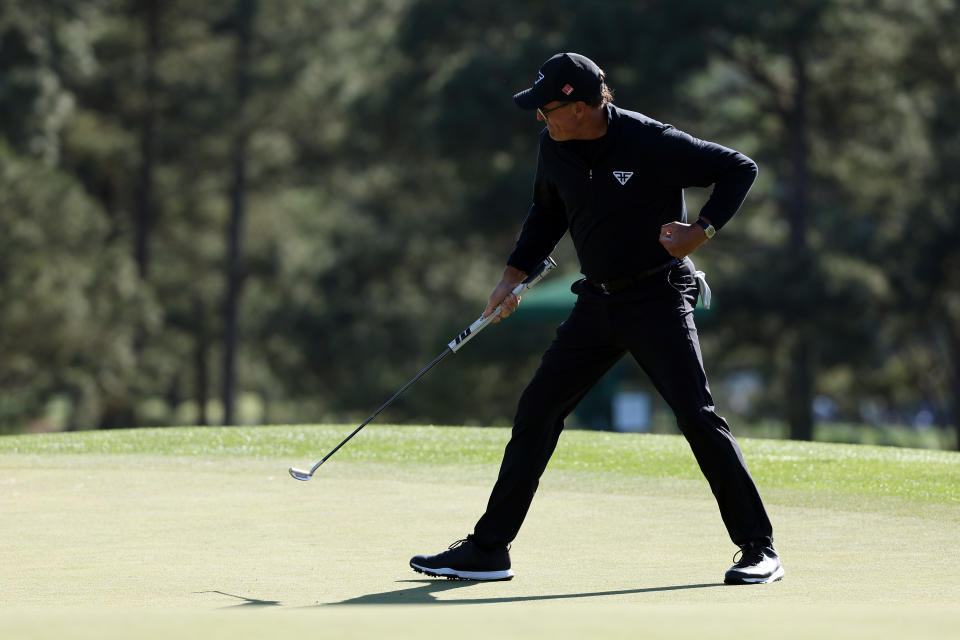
<point x="455" y="345"/>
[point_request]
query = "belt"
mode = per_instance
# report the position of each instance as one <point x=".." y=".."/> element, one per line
<point x="616" y="286"/>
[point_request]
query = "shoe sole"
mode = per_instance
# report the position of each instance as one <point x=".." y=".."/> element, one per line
<point x="773" y="577"/>
<point x="454" y="574"/>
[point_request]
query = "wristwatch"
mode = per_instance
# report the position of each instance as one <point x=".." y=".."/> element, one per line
<point x="707" y="228"/>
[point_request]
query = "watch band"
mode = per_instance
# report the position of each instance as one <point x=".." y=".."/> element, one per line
<point x="707" y="228"/>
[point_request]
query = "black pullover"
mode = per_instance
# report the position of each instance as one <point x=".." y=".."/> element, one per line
<point x="614" y="193"/>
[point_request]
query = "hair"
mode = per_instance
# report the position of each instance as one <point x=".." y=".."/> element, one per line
<point x="606" y="93"/>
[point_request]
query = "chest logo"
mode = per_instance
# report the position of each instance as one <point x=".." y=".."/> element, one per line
<point x="622" y="176"/>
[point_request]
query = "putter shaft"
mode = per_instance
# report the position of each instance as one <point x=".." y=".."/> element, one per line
<point x="304" y="475"/>
<point x="462" y="338"/>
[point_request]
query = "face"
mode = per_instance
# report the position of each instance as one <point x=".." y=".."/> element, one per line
<point x="561" y="118"/>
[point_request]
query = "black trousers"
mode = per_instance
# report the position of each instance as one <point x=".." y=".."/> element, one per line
<point x="654" y="322"/>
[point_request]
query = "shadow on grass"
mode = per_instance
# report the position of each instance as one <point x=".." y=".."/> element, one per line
<point x="425" y="594"/>
<point x="247" y="602"/>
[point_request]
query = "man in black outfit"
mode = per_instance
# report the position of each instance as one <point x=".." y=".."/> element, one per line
<point x="614" y="179"/>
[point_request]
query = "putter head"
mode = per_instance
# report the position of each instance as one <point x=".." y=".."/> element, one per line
<point x="299" y="474"/>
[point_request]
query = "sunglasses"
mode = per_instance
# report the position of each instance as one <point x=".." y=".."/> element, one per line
<point x="543" y="112"/>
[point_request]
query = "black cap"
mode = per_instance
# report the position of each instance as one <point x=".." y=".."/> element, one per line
<point x="567" y="77"/>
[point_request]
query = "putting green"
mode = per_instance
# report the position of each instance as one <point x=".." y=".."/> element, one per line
<point x="215" y="544"/>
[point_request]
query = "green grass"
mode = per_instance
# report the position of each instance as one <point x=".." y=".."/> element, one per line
<point x="869" y="471"/>
<point x="199" y="532"/>
<point x="891" y="435"/>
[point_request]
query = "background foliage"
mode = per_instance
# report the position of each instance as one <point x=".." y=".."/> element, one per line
<point x="279" y="211"/>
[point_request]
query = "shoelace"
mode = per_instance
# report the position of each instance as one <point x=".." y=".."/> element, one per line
<point x="457" y="543"/>
<point x="749" y="556"/>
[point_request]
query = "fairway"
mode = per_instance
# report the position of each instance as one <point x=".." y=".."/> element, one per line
<point x="166" y="533"/>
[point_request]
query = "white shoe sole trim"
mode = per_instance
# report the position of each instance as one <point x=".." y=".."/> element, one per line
<point x="776" y="575"/>
<point x="466" y="575"/>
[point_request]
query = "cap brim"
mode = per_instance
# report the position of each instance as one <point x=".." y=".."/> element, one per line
<point x="527" y="99"/>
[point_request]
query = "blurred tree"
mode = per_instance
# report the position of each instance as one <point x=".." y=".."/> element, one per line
<point x="811" y="87"/>
<point x="116" y="145"/>
<point x="186" y="185"/>
<point x="151" y="14"/>
<point x="36" y="48"/>
<point x="243" y="24"/>
<point x="921" y="249"/>
<point x="71" y="304"/>
<point x="360" y="172"/>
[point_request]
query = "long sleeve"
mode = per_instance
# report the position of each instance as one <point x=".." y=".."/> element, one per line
<point x="686" y="161"/>
<point x="544" y="227"/>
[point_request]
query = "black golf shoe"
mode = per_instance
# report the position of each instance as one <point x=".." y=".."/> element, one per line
<point x="464" y="560"/>
<point x="758" y="564"/>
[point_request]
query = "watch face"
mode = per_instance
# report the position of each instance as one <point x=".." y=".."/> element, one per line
<point x="707" y="228"/>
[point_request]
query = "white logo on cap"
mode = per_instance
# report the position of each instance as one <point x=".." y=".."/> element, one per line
<point x="539" y="77"/>
<point x="622" y="176"/>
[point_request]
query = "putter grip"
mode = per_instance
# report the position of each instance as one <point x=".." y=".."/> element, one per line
<point x="480" y="323"/>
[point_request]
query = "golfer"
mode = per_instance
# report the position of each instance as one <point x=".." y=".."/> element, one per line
<point x="614" y="179"/>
